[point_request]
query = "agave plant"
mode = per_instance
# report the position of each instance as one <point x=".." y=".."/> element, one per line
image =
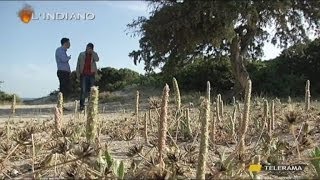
<point x="110" y="165"/>
<point x="120" y="170"/>
<point x="315" y="161"/>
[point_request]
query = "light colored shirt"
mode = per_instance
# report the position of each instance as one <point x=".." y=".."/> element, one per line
<point x="62" y="59"/>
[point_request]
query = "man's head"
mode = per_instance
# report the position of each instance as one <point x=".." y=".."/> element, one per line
<point x="65" y="42"/>
<point x="89" y="48"/>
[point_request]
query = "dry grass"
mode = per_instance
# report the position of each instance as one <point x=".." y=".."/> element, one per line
<point x="33" y="148"/>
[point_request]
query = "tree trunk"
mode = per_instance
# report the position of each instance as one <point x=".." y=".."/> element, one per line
<point x="239" y="70"/>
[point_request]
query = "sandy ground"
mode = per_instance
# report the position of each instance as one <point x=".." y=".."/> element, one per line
<point x="111" y="112"/>
<point x="45" y="111"/>
<point x="121" y="116"/>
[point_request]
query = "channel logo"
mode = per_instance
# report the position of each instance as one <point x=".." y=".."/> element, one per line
<point x="26" y="13"/>
<point x="257" y="167"/>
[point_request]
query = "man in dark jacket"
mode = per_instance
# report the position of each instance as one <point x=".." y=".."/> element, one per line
<point x="86" y="70"/>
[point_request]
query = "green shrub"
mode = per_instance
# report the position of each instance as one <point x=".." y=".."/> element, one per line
<point x="7" y="98"/>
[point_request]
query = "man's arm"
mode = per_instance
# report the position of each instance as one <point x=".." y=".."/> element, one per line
<point x="61" y="55"/>
<point x="95" y="56"/>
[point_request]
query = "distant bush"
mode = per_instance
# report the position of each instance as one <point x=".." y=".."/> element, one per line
<point x="108" y="79"/>
<point x="111" y="79"/>
<point x="194" y="76"/>
<point x="282" y="77"/>
<point x="286" y="75"/>
<point x="7" y="98"/>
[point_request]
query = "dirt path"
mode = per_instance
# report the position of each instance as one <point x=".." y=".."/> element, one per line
<point x="47" y="110"/>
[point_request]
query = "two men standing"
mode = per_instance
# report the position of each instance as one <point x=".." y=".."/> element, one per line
<point x="86" y="69"/>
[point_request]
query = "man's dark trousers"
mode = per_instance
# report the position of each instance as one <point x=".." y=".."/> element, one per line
<point x="86" y="82"/>
<point x="64" y="79"/>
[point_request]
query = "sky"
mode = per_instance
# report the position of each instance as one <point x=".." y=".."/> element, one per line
<point x="28" y="66"/>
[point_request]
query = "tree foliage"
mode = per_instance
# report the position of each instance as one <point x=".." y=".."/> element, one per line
<point x="178" y="32"/>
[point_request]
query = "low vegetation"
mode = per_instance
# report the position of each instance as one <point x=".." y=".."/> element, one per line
<point x="170" y="139"/>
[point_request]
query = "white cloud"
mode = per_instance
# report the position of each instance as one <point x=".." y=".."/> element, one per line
<point x="136" y="6"/>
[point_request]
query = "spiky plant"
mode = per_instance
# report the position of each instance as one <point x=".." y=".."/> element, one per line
<point x="221" y="108"/>
<point x="13" y="105"/>
<point x="218" y="109"/>
<point x="265" y="111"/>
<point x="238" y="107"/>
<point x="234" y="118"/>
<point x="150" y="120"/>
<point x="145" y="134"/>
<point x="57" y="119"/>
<point x="178" y="107"/>
<point x="137" y="109"/>
<point x="272" y="115"/>
<point x="187" y="122"/>
<point x="205" y="116"/>
<point x="315" y="161"/>
<point x="307" y="96"/>
<point x="8" y="131"/>
<point x="208" y="92"/>
<point x="289" y="101"/>
<point x="120" y="170"/>
<point x="305" y="129"/>
<point x="266" y="119"/>
<point x="92" y="119"/>
<point x="245" y="118"/>
<point x="177" y="94"/>
<point x="213" y="129"/>
<point x="239" y="116"/>
<point x="220" y="104"/>
<point x="60" y="103"/>
<point x="232" y="126"/>
<point x="233" y="101"/>
<point x="292" y="117"/>
<point x="75" y="107"/>
<point x="234" y="113"/>
<point x="163" y="125"/>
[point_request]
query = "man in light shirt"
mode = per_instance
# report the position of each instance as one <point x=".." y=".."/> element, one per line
<point x="63" y="66"/>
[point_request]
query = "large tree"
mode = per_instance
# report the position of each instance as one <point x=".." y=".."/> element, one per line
<point x="178" y="31"/>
